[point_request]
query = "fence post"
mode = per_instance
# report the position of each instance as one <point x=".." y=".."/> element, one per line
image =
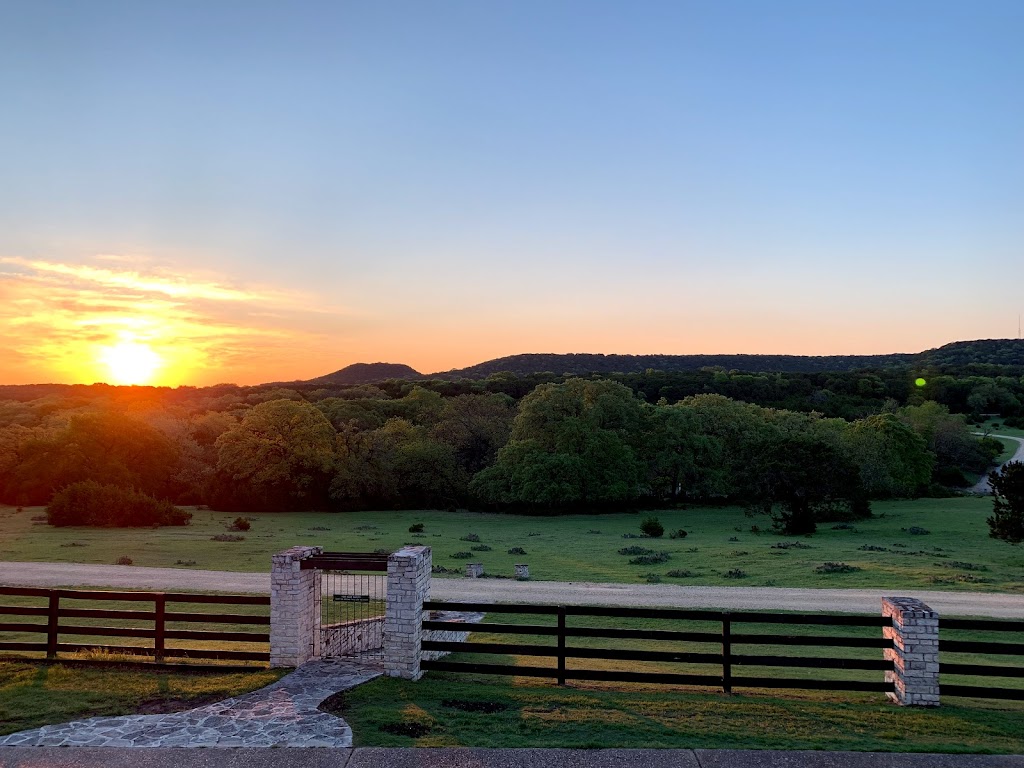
<point x="160" y="627"/>
<point x="561" y="645"/>
<point x="294" y="608"/>
<point x="51" y="624"/>
<point x="726" y="653"/>
<point x="915" y="652"/>
<point x="408" y="589"/>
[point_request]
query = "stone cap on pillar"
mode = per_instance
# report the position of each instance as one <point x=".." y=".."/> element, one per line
<point x="410" y="550"/>
<point x="907" y="607"/>
<point x="295" y="554"/>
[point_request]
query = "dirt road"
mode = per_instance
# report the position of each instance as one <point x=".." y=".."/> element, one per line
<point x="493" y="590"/>
<point x="982" y="485"/>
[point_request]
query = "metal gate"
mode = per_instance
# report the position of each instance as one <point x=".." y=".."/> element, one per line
<point x="353" y="596"/>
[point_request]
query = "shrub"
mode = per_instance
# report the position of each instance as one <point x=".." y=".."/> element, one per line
<point x="481" y="548"/>
<point x="517" y="551"/>
<point x="680" y="573"/>
<point x="652" y="527"/>
<point x="678" y="534"/>
<point x="635" y="551"/>
<point x="124" y="560"/>
<point x="916" y="530"/>
<point x="227" y="537"/>
<point x="416" y="528"/>
<point x="836" y="568"/>
<point x="461" y="556"/>
<point x="872" y="548"/>
<point x="653" y="559"/>
<point x="959" y="564"/>
<point x="652" y="578"/>
<point x="791" y="545"/>
<point x="470" y="537"/>
<point x="735" y="573"/>
<point x="110" y="506"/>
<point x="593" y="530"/>
<point x="184" y="562"/>
<point x="240" y="524"/>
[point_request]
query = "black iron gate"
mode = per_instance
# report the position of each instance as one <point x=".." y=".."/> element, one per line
<point x="353" y="597"/>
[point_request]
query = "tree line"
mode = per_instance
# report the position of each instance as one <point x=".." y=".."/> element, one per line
<point x="561" y="446"/>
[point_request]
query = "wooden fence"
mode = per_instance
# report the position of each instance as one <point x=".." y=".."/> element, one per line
<point x="987" y="671"/>
<point x="165" y="611"/>
<point x="725" y="640"/>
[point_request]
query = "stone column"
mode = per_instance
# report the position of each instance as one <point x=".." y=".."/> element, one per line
<point x="522" y="571"/>
<point x="915" y="651"/>
<point x="408" y="588"/>
<point x="294" y="608"/>
<point x="474" y="570"/>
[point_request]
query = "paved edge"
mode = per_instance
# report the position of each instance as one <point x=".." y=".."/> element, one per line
<point x="220" y="757"/>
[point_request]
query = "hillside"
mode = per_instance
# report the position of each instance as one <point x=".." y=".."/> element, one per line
<point x="985" y="352"/>
<point x="368" y="373"/>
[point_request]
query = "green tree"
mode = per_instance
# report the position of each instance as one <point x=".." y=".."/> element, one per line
<point x="891" y="458"/>
<point x="1007" y="521"/>
<point x="572" y="444"/>
<point x="280" y="456"/>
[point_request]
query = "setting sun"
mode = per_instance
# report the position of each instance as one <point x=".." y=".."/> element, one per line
<point x="130" y="362"/>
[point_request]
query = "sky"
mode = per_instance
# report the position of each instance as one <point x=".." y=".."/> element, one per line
<point x="207" y="191"/>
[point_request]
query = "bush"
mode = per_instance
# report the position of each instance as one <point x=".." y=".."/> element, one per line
<point x="481" y="548"/>
<point x="678" y="534"/>
<point x="735" y="573"/>
<point x="461" y="556"/>
<point x="517" y="551"/>
<point x="240" y="524"/>
<point x="652" y="528"/>
<point x="635" y="551"/>
<point x="836" y="568"/>
<point x="916" y="530"/>
<point x="470" y="537"/>
<point x="227" y="537"/>
<point x="124" y="560"/>
<point x="416" y="528"/>
<point x="654" y="559"/>
<point x="110" y="506"/>
<point x="680" y="573"/>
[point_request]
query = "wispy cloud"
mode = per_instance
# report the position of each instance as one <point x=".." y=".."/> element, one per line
<point x="56" y="318"/>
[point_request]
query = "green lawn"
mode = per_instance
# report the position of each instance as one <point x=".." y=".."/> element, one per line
<point x="1002" y="429"/>
<point x="32" y="695"/>
<point x="596" y="716"/>
<point x="724" y="546"/>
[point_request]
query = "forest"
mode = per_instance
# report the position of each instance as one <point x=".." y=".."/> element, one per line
<point x="796" y="446"/>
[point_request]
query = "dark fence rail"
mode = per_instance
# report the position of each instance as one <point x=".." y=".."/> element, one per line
<point x="346" y="561"/>
<point x="726" y="639"/>
<point x="947" y="646"/>
<point x="56" y="629"/>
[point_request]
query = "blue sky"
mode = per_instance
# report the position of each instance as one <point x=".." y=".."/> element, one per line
<point x="439" y="183"/>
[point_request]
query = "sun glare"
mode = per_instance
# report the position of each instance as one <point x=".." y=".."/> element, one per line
<point x="130" y="362"/>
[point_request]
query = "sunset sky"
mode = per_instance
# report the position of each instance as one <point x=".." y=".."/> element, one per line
<point x="202" y="191"/>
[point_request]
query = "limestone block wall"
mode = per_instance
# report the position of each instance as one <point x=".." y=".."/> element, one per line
<point x="294" y="608"/>
<point x="915" y="652"/>
<point x="408" y="588"/>
<point x="352" y="636"/>
<point x="454" y="635"/>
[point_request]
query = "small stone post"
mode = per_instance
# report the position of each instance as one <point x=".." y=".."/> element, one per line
<point x="522" y="571"/>
<point x="474" y="570"/>
<point x="408" y="588"/>
<point x="915" y="651"/>
<point x="294" y="608"/>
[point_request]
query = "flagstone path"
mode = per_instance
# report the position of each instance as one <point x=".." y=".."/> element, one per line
<point x="283" y="714"/>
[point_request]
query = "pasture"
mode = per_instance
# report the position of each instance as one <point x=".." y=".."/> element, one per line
<point x="925" y="543"/>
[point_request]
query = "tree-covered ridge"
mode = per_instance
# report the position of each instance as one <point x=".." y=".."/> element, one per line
<point x="505" y="442"/>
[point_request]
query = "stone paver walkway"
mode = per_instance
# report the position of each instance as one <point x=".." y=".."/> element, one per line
<point x="283" y="714"/>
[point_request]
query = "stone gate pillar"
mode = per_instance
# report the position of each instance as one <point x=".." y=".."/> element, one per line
<point x="294" y="608"/>
<point x="915" y="651"/>
<point x="408" y="588"/>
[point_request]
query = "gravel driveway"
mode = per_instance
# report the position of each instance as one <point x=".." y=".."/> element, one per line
<point x="494" y="590"/>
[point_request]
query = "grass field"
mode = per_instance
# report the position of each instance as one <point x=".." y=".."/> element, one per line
<point x="1002" y="429"/>
<point x="33" y="695"/>
<point x="723" y="546"/>
<point x="541" y="715"/>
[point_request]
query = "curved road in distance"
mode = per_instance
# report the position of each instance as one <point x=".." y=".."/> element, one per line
<point x="982" y="485"/>
<point x="552" y="592"/>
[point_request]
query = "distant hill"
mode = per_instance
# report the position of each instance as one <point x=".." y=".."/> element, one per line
<point x="1002" y="352"/>
<point x="368" y="373"/>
